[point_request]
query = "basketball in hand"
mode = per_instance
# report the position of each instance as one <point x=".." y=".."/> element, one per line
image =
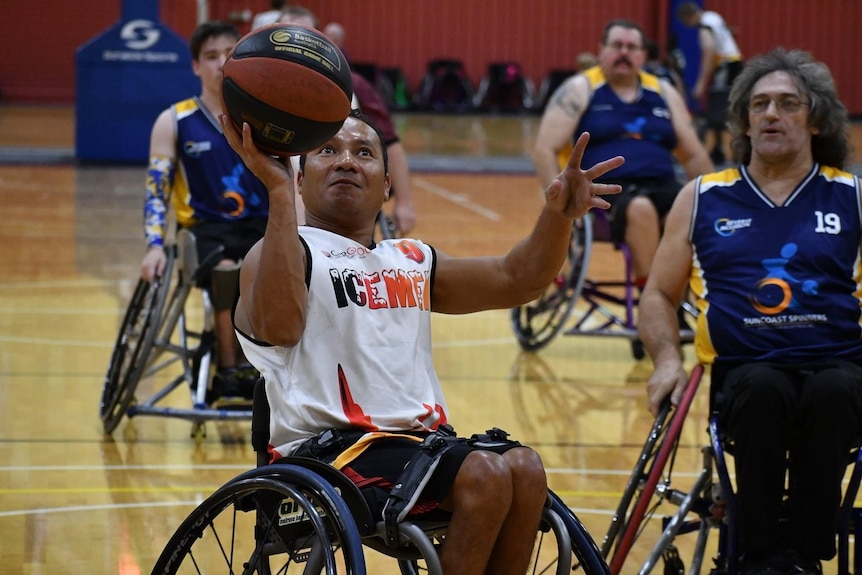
<point x="291" y="84"/>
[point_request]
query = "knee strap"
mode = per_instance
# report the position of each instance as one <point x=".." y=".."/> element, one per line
<point x="413" y="479"/>
<point x="224" y="282"/>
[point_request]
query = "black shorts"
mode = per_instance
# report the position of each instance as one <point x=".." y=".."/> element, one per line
<point x="376" y="470"/>
<point x="661" y="192"/>
<point x="236" y="237"/>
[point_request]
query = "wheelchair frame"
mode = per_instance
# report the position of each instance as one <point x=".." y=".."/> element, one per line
<point x="310" y="518"/>
<point x="709" y="504"/>
<point x="156" y="334"/>
<point x="536" y="323"/>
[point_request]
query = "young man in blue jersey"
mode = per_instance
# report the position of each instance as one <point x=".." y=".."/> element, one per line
<point x="193" y="169"/>
<point x="771" y="252"/>
<point x="634" y="114"/>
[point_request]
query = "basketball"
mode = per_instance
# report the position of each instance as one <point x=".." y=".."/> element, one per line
<point x="291" y="84"/>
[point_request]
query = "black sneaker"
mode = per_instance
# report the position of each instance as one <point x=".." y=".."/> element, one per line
<point x="248" y="373"/>
<point x="230" y="389"/>
<point x="803" y="566"/>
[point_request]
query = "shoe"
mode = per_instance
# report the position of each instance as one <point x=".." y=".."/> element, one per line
<point x="802" y="566"/>
<point x="248" y="373"/>
<point x="229" y="388"/>
<point x="783" y="562"/>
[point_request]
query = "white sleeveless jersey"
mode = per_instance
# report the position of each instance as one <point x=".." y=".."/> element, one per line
<point x="364" y="360"/>
<point x="725" y="45"/>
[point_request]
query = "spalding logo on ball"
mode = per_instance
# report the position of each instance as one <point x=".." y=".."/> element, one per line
<point x="291" y="84"/>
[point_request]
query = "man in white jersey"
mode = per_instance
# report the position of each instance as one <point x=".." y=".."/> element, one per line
<point x="771" y="252"/>
<point x="720" y="64"/>
<point x="340" y="329"/>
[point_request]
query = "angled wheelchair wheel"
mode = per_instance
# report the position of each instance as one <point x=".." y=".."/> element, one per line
<point x="262" y="522"/>
<point x="572" y="549"/>
<point x="651" y="474"/>
<point x="563" y="546"/>
<point x="536" y="323"/>
<point x="133" y="346"/>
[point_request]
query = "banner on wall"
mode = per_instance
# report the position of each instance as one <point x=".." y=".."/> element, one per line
<point x="125" y="77"/>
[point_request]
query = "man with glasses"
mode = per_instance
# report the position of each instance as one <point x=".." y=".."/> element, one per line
<point x="771" y="251"/>
<point x="632" y="113"/>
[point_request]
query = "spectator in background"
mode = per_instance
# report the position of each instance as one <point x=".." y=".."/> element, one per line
<point x="586" y="60"/>
<point x="270" y="16"/>
<point x="658" y="67"/>
<point x="720" y="64"/>
<point x="336" y="33"/>
<point x="369" y="101"/>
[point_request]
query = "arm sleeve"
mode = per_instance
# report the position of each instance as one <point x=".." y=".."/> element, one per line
<point x="160" y="179"/>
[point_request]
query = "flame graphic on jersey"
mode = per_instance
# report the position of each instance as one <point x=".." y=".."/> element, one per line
<point x="411" y="250"/>
<point x="352" y="410"/>
<point x="431" y="422"/>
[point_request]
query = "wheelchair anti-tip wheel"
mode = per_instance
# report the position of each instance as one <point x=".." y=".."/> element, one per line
<point x="263" y="522"/>
<point x="536" y="323"/>
<point x="134" y="343"/>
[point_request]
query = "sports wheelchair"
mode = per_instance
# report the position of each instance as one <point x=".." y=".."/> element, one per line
<point x="158" y="331"/>
<point x="304" y="516"/>
<point x="609" y="305"/>
<point x="708" y="505"/>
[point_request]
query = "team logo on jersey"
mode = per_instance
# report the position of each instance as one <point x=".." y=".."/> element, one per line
<point x="774" y="293"/>
<point x="195" y="149"/>
<point x="725" y="226"/>
<point x="411" y="250"/>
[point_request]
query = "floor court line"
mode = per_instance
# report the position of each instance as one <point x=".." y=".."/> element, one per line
<point x="458" y="199"/>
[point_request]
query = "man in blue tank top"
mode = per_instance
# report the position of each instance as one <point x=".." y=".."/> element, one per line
<point x="771" y="252"/>
<point x="634" y="114"/>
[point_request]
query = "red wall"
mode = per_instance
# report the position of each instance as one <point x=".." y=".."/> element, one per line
<point x="38" y="42"/>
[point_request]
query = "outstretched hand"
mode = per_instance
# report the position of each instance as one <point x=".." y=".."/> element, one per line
<point x="271" y="171"/>
<point x="573" y="192"/>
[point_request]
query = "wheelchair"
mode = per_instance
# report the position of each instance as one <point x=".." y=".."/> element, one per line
<point x="162" y="329"/>
<point x="608" y="308"/>
<point x="158" y="332"/>
<point x="300" y="515"/>
<point x="708" y="505"/>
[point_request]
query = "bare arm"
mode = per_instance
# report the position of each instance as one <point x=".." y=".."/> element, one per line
<point x="559" y="121"/>
<point x="689" y="150"/>
<point x="272" y="277"/>
<point x="658" y="326"/>
<point x="399" y="172"/>
<point x="707" y="61"/>
<point x="464" y="285"/>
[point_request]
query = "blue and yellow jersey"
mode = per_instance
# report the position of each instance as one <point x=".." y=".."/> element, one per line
<point x="209" y="182"/>
<point x="777" y="282"/>
<point x="641" y="131"/>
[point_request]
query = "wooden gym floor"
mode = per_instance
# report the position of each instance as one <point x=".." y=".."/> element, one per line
<point x="75" y="501"/>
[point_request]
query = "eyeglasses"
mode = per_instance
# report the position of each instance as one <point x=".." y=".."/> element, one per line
<point x="619" y="46"/>
<point x="785" y="105"/>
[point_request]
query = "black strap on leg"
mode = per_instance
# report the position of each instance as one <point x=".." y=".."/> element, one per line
<point x="413" y="479"/>
<point x="420" y="468"/>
